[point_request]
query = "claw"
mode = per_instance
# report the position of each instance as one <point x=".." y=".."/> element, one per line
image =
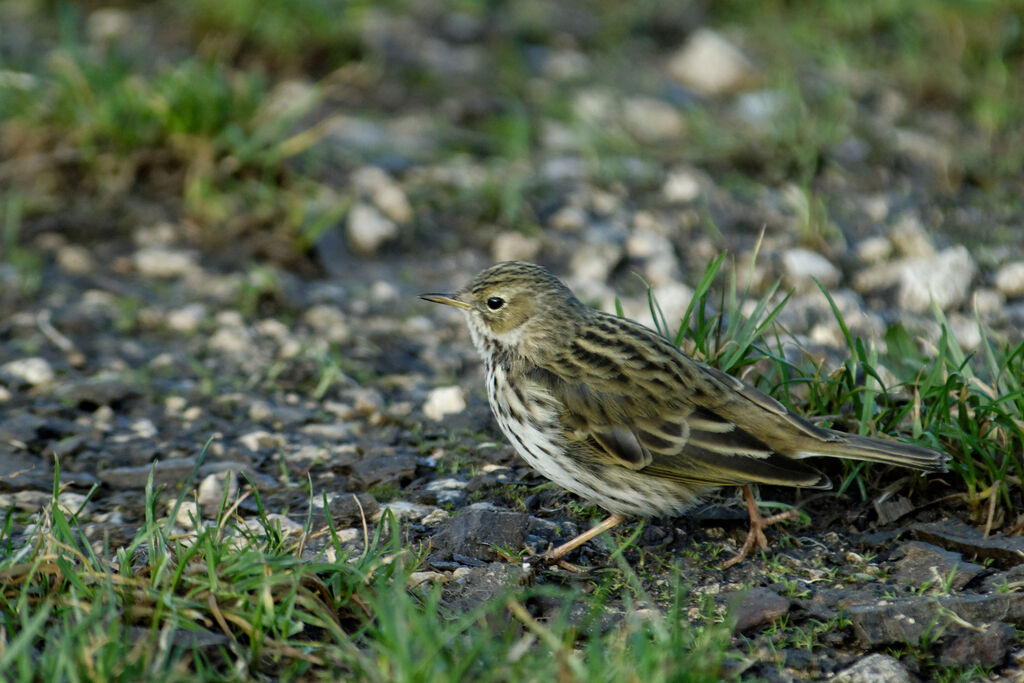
<point x="757" y="525"/>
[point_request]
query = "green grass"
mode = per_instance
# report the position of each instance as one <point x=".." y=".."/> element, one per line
<point x="236" y="602"/>
<point x="193" y="126"/>
<point x="971" y="406"/>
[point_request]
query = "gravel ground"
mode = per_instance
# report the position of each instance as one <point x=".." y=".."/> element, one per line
<point x="135" y="355"/>
<point x="144" y="353"/>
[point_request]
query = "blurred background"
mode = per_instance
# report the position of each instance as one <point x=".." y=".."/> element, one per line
<point x="311" y="134"/>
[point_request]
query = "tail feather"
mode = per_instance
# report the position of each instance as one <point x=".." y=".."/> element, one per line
<point x="869" y="449"/>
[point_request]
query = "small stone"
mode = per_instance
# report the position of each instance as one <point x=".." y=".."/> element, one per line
<point x="443" y="401"/>
<point x="164" y="262"/>
<point x="231" y="339"/>
<point x="910" y="237"/>
<point x="104" y="389"/>
<point x="447" y="491"/>
<point x="479" y="585"/>
<point x="368" y="229"/>
<point x="403" y="509"/>
<point x="417" y="579"/>
<point x="761" y="109"/>
<point x="1009" y="279"/>
<point x="31" y="371"/>
<point x="944" y="278"/>
<point x="348" y="508"/>
<point x="874" y="250"/>
<point x="211" y="491"/>
<point x="186" y="319"/>
<point x="874" y="668"/>
<point x="925" y="149"/>
<point x="165" y="472"/>
<point x="988" y="301"/>
<point x="72" y="503"/>
<point x="329" y="323"/>
<point x="803" y="266"/>
<point x="278" y="415"/>
<point x="681" y="187"/>
<point x="926" y="564"/>
<point x="987" y="647"/>
<point x="569" y="218"/>
<point x="109" y="24"/>
<point x="514" y="246"/>
<point x="260" y="439"/>
<point x="710" y="64"/>
<point x="759" y="606"/>
<point x="392" y="468"/>
<point x="393" y="203"/>
<point x="187" y="514"/>
<point x="383" y="292"/>
<point x="477" y="530"/>
<point x="594" y="261"/>
<point x="652" y="121"/>
<point x="75" y="260"/>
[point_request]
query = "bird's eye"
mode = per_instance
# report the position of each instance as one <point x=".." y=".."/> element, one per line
<point x="495" y="302"/>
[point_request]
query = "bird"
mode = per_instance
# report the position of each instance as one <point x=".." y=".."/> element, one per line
<point x="619" y="415"/>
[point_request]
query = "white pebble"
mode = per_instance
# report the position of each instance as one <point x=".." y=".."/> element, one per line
<point x="443" y="401"/>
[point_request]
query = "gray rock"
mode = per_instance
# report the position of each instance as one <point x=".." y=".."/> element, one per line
<point x="476" y="531"/>
<point x="164" y="262"/>
<point x="75" y="260"/>
<point x="442" y="401"/>
<point x="27" y="371"/>
<point x="652" y="121"/>
<point x="759" y="606"/>
<point x="762" y="108"/>
<point x="513" y="245"/>
<point x="348" y="509"/>
<point x="186" y="319"/>
<point x="959" y="537"/>
<point x="803" y="266"/>
<point x="910" y="237"/>
<point x="329" y="322"/>
<point x="926" y="564"/>
<point x="1009" y="279"/>
<point x="1012" y="579"/>
<point x="105" y="389"/>
<point x="987" y="647"/>
<point x="278" y="415"/>
<point x="447" y="491"/>
<point x="944" y="278"/>
<point x="165" y="473"/>
<point x="479" y="585"/>
<point x="368" y="229"/>
<point x="681" y="187"/>
<point x="710" y="64"/>
<point x="874" y="250"/>
<point x="906" y="621"/>
<point x="874" y="669"/>
<point x="393" y="468"/>
<point x="23" y="427"/>
<point x="22" y="471"/>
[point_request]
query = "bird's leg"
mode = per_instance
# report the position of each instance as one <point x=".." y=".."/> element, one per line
<point x="757" y="525"/>
<point x="561" y="551"/>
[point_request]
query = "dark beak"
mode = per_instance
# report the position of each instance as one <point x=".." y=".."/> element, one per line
<point x="447" y="300"/>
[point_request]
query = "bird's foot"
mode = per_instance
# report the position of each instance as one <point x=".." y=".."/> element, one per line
<point x="555" y="555"/>
<point x="757" y="526"/>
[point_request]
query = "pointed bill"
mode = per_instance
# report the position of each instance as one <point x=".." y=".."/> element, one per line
<point x="446" y="299"/>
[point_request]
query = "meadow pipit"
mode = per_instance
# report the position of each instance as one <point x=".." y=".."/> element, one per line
<point x="619" y="415"/>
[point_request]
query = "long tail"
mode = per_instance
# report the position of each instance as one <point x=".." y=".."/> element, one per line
<point x="870" y="449"/>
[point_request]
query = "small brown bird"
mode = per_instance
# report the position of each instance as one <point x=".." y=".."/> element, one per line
<point x="619" y="415"/>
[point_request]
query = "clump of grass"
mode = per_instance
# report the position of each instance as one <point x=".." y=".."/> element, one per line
<point x="237" y="600"/>
<point x="970" y="406"/>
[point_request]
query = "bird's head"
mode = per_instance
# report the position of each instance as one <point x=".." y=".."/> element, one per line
<point x="515" y="305"/>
